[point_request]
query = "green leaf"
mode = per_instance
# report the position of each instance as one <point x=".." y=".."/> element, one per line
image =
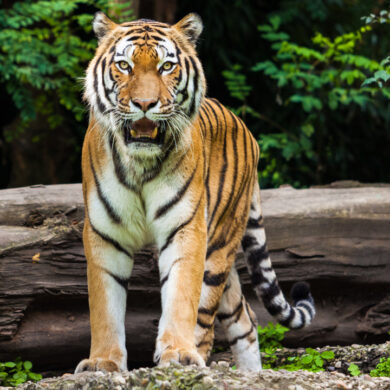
<point x="27" y="365"/>
<point x="327" y="355"/>
<point x="318" y="361"/>
<point x="307" y="359"/>
<point x="382" y="75"/>
<point x="354" y="369"/>
<point x="9" y="364"/>
<point x="275" y="21"/>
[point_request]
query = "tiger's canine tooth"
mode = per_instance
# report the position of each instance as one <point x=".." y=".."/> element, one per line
<point x="133" y="133"/>
<point x="154" y="134"/>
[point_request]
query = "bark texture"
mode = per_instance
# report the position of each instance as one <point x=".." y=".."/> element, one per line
<point x="336" y="238"/>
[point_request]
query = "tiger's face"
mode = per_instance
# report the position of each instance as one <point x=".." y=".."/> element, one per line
<point x="145" y="83"/>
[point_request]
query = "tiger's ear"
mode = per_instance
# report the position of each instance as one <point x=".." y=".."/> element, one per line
<point x="102" y="25"/>
<point x="191" y="26"/>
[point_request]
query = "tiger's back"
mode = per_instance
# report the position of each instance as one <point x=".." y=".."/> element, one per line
<point x="164" y="165"/>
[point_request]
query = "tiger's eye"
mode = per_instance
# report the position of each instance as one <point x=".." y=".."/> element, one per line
<point x="123" y="65"/>
<point x="167" y="65"/>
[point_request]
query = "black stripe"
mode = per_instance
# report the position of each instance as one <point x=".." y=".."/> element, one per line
<point x="124" y="282"/>
<point x="308" y="307"/>
<point x="289" y="319"/>
<point x="218" y="244"/>
<point x="302" y="317"/>
<point x="165" y="208"/>
<point x="101" y="106"/>
<point x="203" y="342"/>
<point x="118" y="166"/>
<point x="257" y="255"/>
<point x="225" y="316"/>
<point x="184" y="91"/>
<point x="210" y="312"/>
<point x="107" y="205"/>
<point x="133" y="38"/>
<point x="203" y="324"/>
<point x="248" y="241"/>
<point x="234" y="341"/>
<point x="222" y="174"/>
<point x="195" y="82"/>
<point x="103" y="82"/>
<point x="253" y="223"/>
<point x="268" y="294"/>
<point x="227" y="207"/>
<point x="164" y="279"/>
<point x="249" y="315"/>
<point x="257" y="278"/>
<point x="174" y="231"/>
<point x="110" y="240"/>
<point x="214" y="280"/>
<point x="211" y="144"/>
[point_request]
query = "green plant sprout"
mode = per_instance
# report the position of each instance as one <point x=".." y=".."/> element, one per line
<point x="16" y="372"/>
<point x="354" y="370"/>
<point x="382" y="368"/>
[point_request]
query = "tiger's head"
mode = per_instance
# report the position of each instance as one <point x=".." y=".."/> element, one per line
<point x="145" y="83"/>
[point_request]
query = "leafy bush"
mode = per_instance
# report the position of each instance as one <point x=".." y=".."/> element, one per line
<point x="312" y="360"/>
<point x="45" y="47"/>
<point x="382" y="368"/>
<point x="315" y="88"/>
<point x="271" y="336"/>
<point x="17" y="372"/>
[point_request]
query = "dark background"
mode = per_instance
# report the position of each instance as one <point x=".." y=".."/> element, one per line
<point x="42" y="126"/>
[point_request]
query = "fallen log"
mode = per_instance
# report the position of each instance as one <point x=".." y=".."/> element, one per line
<point x="338" y="239"/>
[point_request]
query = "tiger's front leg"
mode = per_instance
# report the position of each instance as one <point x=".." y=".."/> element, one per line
<point x="181" y="264"/>
<point x="109" y="269"/>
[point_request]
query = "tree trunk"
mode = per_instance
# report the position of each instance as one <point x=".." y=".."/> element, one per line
<point x="335" y="238"/>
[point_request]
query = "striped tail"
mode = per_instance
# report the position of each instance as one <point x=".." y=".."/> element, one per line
<point x="264" y="278"/>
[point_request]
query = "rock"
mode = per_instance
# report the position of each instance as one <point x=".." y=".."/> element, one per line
<point x="174" y="377"/>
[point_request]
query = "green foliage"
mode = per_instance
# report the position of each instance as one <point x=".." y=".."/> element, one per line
<point x="271" y="336"/>
<point x="270" y="339"/>
<point x="382" y="368"/>
<point x="381" y="77"/>
<point x="312" y="360"/>
<point x="17" y="372"/>
<point x="354" y="370"/>
<point x="312" y="83"/>
<point x="45" y="47"/>
<point x="236" y="83"/>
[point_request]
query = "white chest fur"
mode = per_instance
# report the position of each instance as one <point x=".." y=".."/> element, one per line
<point x="130" y="216"/>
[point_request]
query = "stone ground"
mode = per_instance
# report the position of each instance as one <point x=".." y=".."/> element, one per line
<point x="221" y="376"/>
<point x="218" y="376"/>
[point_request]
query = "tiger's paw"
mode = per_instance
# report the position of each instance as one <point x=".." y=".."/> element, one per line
<point x="97" y="364"/>
<point x="181" y="356"/>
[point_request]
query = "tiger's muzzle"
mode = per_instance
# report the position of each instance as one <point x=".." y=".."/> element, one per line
<point x="144" y="131"/>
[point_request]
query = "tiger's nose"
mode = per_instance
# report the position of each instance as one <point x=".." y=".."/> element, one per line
<point x="144" y="104"/>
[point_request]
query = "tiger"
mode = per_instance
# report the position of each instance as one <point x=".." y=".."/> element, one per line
<point x="164" y="165"/>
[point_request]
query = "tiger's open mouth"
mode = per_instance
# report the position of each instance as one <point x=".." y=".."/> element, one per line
<point x="144" y="131"/>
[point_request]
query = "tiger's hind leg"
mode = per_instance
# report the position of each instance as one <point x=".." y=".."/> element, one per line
<point x="216" y="272"/>
<point x="239" y="324"/>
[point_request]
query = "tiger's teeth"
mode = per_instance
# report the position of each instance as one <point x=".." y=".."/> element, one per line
<point x="133" y="133"/>
<point x="154" y="134"/>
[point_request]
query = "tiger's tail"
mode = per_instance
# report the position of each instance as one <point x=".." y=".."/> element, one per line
<point x="263" y="276"/>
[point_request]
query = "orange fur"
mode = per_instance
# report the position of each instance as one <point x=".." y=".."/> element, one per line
<point x="191" y="195"/>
